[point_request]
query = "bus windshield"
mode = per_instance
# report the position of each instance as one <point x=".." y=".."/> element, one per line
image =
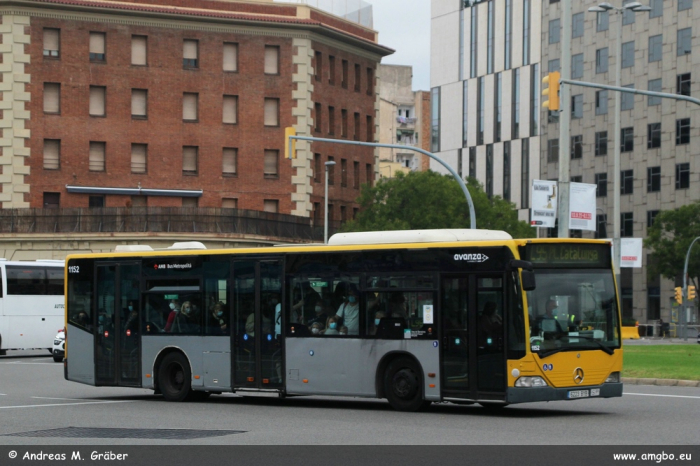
<point x="573" y="310"/>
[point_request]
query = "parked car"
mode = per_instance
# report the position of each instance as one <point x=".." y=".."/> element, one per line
<point x="59" y="346"/>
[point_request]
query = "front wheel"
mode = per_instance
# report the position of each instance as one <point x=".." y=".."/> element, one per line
<point x="402" y="386"/>
<point x="57" y="358"/>
<point x="175" y="378"/>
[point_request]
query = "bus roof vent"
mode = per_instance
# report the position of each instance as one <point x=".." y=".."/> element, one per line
<point x="188" y="245"/>
<point x="132" y="248"/>
<point x="417" y="236"/>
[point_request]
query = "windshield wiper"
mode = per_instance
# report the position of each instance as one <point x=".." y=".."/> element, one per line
<point x="544" y="354"/>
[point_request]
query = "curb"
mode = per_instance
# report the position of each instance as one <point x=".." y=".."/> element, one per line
<point x="661" y="382"/>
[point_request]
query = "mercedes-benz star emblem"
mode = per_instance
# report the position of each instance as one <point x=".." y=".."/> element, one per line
<point x="578" y="376"/>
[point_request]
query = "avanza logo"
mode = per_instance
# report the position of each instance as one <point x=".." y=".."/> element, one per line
<point x="471" y="257"/>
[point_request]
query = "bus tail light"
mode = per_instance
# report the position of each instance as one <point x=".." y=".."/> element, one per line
<point x="613" y="378"/>
<point x="530" y="382"/>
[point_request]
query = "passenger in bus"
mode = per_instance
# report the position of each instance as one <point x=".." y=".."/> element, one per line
<point x="378" y="316"/>
<point x="490" y="325"/>
<point x="397" y="305"/>
<point x="349" y="311"/>
<point x="174" y="311"/>
<point x="188" y="319"/>
<point x="343" y="330"/>
<point x="218" y="320"/>
<point x="104" y="323"/>
<point x="132" y="323"/>
<point x="333" y="326"/>
<point x="319" y="313"/>
<point x="317" y="328"/>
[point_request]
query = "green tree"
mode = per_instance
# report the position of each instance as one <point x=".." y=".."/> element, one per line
<point x="428" y="200"/>
<point x="669" y="238"/>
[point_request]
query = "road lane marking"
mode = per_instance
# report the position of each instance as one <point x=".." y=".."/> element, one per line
<point x="667" y="396"/>
<point x="68" y="404"/>
<point x="33" y="363"/>
<point x="50" y="398"/>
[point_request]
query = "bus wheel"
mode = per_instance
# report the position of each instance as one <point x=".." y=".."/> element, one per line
<point x="402" y="386"/>
<point x="175" y="378"/>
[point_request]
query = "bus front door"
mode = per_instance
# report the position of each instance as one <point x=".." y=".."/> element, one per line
<point x="473" y="360"/>
<point x="256" y="349"/>
<point x="117" y="342"/>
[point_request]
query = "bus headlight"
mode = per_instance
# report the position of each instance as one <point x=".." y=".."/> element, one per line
<point x="530" y="382"/>
<point x="613" y="378"/>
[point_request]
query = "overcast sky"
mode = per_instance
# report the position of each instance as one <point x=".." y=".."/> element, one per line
<point x="404" y="25"/>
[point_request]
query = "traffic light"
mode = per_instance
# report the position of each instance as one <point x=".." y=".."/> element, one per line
<point x="550" y="89"/>
<point x="691" y="292"/>
<point x="679" y="295"/>
<point x="290" y="131"/>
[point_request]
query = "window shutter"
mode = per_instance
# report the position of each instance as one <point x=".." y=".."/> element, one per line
<point x="229" y="203"/>
<point x="189" y="50"/>
<point x="230" y="57"/>
<point x="189" y="106"/>
<point x="96" y="162"/>
<point x="97" y="101"/>
<point x="139" y="98"/>
<point x="271" y="112"/>
<point x="230" y="108"/>
<point x="138" y="158"/>
<point x="51" y="41"/>
<point x="270" y="163"/>
<point x="52" y="151"/>
<point x="138" y="50"/>
<point x="272" y="60"/>
<point x="52" y="100"/>
<point x="270" y="205"/>
<point x="189" y="159"/>
<point x="229" y="161"/>
<point x="97" y="42"/>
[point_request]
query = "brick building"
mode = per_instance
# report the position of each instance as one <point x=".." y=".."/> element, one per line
<point x="183" y="103"/>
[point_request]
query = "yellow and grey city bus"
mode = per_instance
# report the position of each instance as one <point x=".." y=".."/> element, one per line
<point x="465" y="316"/>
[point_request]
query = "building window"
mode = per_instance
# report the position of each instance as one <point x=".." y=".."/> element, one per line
<point x="490" y="37"/>
<point x="685" y="5"/>
<point x="508" y="49"/>
<point x="139" y="104"/>
<point x="577" y="106"/>
<point x="434" y="118"/>
<point x="526" y="31"/>
<point x="655" y="48"/>
<point x="576" y="147"/>
<point x="272" y="112"/>
<point x="230" y="109"/>
<point x="577" y="179"/>
<point x="601" y="226"/>
<point x="97" y="101"/>
<point x="601" y="181"/>
<point x="139" y="156"/>
<point x="189" y="160"/>
<point x="52" y="154"/>
<point x="498" y="107"/>
<point x="626" y="182"/>
<point x="356" y="129"/>
<point x="653" y="135"/>
<point x="139" y="50"/>
<point x="628" y="54"/>
<point x="685" y="40"/>
<point x="683" y="84"/>
<point x="515" y="111"/>
<point x="524" y="174"/>
<point x="229" y="161"/>
<point x="229" y="203"/>
<point x="369" y="174"/>
<point x="577" y="66"/>
<point x="553" y="150"/>
<point x="472" y="162"/>
<point x="474" y="50"/>
<point x="628" y="16"/>
<point x="317" y="117"/>
<point x="601" y="143"/>
<point x="627" y="140"/>
<point x="370" y="81"/>
<point x="534" y="100"/>
<point x="356" y="175"/>
<point x="96" y="158"/>
<point x="626" y="225"/>
<point x="682" y="176"/>
<point x="190" y="202"/>
<point x="331" y="120"/>
<point x="52" y="43"/>
<point x="357" y="77"/>
<point x="370" y="129"/>
<point x="602" y="22"/>
<point x="344" y="75"/>
<point x="682" y="131"/>
<point x="627" y="98"/>
<point x="318" y="171"/>
<point x="230" y="56"/>
<point x="657" y="8"/>
<point x="601" y="60"/>
<point x="577" y="25"/>
<point x="465" y="112"/>
<point x="52" y="200"/>
<point x="331" y="70"/>
<point x="344" y="123"/>
<point x="653" y="179"/>
<point x="489" y="171"/>
<point x="318" y="65"/>
<point x="654" y="86"/>
<point x="190" y="106"/>
<point x="601" y="102"/>
<point x="52" y="98"/>
<point x="97" y="47"/>
<point x="651" y="216"/>
<point x="96" y="202"/>
<point x="271" y="163"/>
<point x="271" y="205"/>
<point x="506" y="170"/>
<point x="272" y="59"/>
<point x="554" y="30"/>
<point x="190" y="53"/>
<point x="480" y="110"/>
<point x="344" y="173"/>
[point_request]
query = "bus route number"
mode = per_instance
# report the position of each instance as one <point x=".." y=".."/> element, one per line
<point x="73" y="269"/>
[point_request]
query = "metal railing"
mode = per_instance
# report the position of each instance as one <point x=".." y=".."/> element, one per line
<point x="162" y="220"/>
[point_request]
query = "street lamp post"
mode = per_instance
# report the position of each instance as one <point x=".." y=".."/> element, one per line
<point x="325" y="213"/>
<point x="602" y="8"/>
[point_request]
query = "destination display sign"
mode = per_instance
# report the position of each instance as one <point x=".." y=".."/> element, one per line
<point x="564" y="255"/>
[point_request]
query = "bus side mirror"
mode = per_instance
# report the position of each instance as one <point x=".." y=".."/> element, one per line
<point x="528" y="280"/>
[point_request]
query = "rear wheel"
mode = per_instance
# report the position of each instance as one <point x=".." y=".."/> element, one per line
<point x="175" y="378"/>
<point x="57" y="358"/>
<point x="402" y="386"/>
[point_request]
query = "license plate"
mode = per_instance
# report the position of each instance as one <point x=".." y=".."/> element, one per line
<point x="578" y="394"/>
<point x="595" y="391"/>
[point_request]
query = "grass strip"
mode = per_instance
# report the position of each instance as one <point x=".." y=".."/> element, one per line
<point x="662" y="362"/>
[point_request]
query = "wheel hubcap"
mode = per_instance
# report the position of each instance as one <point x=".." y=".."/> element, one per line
<point x="404" y="384"/>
